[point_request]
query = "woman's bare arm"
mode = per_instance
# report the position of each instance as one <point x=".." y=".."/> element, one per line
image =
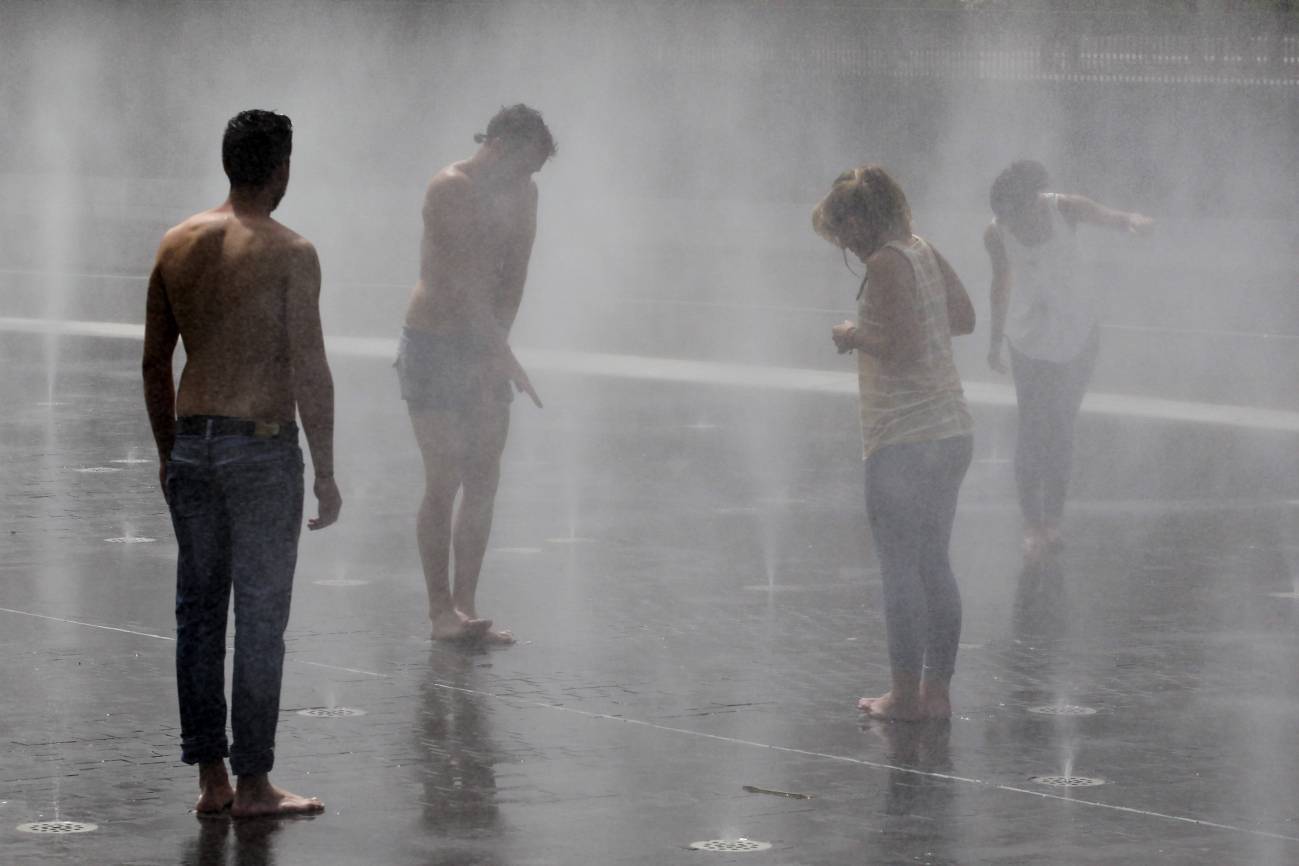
<point x="1080" y="209"/>
<point x="999" y="295"/>
<point x="960" y="310"/>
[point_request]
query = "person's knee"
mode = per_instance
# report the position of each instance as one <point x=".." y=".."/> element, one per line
<point x="439" y="494"/>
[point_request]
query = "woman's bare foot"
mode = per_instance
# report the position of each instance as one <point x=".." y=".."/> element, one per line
<point x="454" y="625"/>
<point x="891" y="709"/>
<point x="215" y="792"/>
<point x="257" y="797"/>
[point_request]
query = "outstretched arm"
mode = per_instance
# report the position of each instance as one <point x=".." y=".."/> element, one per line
<point x="313" y="385"/>
<point x="999" y="295"/>
<point x="160" y="335"/>
<point x="1080" y="209"/>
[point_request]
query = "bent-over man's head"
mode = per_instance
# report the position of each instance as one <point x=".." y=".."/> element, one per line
<point x="255" y="151"/>
<point x="520" y="140"/>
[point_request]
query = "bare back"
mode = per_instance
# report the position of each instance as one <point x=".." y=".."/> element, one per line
<point x="228" y="281"/>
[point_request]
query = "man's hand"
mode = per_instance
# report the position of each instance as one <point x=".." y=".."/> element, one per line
<point x="520" y="380"/>
<point x="995" y="359"/>
<point x="328" y="503"/>
<point x="844" y="335"/>
<point x="1139" y="224"/>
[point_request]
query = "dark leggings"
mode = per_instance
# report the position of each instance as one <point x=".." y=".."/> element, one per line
<point x="1049" y="395"/>
<point x="911" y="491"/>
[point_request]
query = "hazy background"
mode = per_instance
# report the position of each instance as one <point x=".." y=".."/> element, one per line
<point x="694" y="137"/>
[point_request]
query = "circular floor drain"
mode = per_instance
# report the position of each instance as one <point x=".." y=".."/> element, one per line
<point x="97" y="469"/>
<point x="730" y="846"/>
<point x="1063" y="710"/>
<point x="57" y="827"/>
<point x="340" y="581"/>
<point x="130" y="539"/>
<point x="331" y="712"/>
<point x="1067" y="781"/>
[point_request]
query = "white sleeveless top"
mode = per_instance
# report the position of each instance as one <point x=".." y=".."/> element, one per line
<point x="920" y="400"/>
<point x="1048" y="318"/>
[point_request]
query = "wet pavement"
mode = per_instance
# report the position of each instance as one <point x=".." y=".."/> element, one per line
<point x="688" y="572"/>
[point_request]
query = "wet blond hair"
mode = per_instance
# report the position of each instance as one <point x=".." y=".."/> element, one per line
<point x="864" y="205"/>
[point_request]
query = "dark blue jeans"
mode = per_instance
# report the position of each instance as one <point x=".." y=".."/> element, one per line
<point x="911" y="491"/>
<point x="236" y="505"/>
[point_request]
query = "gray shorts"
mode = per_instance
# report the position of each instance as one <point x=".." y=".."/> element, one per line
<point x="447" y="372"/>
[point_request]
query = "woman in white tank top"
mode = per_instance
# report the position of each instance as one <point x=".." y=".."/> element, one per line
<point x="1049" y="320"/>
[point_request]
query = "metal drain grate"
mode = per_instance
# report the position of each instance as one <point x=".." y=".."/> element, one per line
<point x="331" y="712"/>
<point x="131" y="461"/>
<point x="130" y="539"/>
<point x="97" y="469"/>
<point x="730" y="846"/>
<point x="340" y="581"/>
<point x="1063" y="710"/>
<point x="1067" y="781"/>
<point x="57" y="827"/>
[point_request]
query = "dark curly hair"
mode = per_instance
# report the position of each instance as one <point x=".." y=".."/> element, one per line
<point x="519" y="124"/>
<point x="256" y="142"/>
<point x="1017" y="187"/>
<point x="864" y="204"/>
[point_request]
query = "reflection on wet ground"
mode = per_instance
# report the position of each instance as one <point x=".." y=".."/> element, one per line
<point x="696" y="655"/>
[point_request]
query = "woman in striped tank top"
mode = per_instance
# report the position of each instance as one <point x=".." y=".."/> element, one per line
<point x="916" y="429"/>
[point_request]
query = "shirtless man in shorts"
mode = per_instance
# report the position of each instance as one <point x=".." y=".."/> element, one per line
<point x="455" y="364"/>
<point x="242" y="291"/>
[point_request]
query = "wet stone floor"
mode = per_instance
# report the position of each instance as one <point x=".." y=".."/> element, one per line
<point x="687" y="570"/>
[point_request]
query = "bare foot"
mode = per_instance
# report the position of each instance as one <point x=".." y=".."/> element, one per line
<point x="888" y="708"/>
<point x="503" y="637"/>
<point x="257" y="797"/>
<point x="455" y="625"/>
<point x="215" y="792"/>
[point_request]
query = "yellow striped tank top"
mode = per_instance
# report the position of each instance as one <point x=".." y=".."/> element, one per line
<point x="918" y="400"/>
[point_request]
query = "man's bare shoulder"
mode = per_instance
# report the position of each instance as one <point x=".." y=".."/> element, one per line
<point x="192" y="230"/>
<point x="451" y="182"/>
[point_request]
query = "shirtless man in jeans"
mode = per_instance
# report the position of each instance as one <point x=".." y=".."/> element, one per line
<point x="455" y="364"/>
<point x="242" y="291"/>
